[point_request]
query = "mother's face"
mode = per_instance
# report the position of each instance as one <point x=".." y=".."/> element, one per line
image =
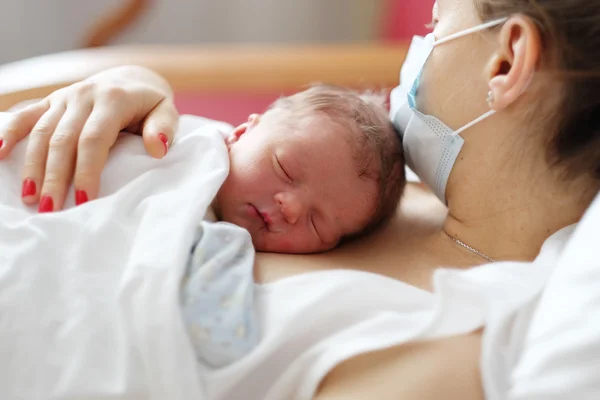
<point x="454" y="86"/>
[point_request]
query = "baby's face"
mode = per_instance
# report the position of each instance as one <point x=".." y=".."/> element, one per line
<point x="295" y="192"/>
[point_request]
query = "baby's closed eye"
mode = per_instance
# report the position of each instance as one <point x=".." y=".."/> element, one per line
<point x="283" y="172"/>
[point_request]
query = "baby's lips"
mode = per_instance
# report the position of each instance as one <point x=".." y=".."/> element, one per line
<point x="266" y="217"/>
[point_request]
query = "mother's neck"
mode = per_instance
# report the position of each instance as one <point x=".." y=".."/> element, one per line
<point x="506" y="207"/>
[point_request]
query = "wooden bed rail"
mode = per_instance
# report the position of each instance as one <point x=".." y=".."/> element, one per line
<point x="239" y="69"/>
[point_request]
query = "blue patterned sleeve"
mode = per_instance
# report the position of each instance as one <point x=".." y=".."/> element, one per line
<point x="217" y="294"/>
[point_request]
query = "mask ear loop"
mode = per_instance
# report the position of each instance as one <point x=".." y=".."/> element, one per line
<point x="469" y="31"/>
<point x="476" y="121"/>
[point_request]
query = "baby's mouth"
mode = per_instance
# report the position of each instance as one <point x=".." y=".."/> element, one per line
<point x="255" y="212"/>
<point x="266" y="219"/>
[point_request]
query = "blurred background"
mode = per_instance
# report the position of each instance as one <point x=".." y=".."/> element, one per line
<point x="34" y="27"/>
<point x="30" y="28"/>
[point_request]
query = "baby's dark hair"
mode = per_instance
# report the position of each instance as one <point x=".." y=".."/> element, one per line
<point x="378" y="147"/>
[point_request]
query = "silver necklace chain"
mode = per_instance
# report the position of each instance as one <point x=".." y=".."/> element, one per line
<point x="472" y="250"/>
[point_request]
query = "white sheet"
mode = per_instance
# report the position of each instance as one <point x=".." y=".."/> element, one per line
<point x="78" y="321"/>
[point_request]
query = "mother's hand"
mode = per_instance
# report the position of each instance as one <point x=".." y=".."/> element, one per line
<point x="72" y="130"/>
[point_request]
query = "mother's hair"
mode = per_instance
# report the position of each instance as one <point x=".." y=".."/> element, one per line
<point x="570" y="32"/>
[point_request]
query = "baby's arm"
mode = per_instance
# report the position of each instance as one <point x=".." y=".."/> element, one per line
<point x="217" y="294"/>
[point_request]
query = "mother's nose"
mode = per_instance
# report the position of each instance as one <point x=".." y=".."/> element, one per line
<point x="291" y="206"/>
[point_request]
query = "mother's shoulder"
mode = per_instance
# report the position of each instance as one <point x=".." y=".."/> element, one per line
<point x="417" y="370"/>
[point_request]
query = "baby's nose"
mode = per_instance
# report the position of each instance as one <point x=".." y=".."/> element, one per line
<point x="290" y="206"/>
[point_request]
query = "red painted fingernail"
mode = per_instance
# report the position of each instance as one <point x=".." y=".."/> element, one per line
<point x="28" y="189"/>
<point x="1" y="143"/>
<point x="46" y="204"/>
<point x="80" y="197"/>
<point x="163" y="138"/>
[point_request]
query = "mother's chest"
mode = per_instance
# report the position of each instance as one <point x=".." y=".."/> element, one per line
<point x="396" y="254"/>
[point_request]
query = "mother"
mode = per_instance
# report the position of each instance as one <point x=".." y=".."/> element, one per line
<point x="523" y="173"/>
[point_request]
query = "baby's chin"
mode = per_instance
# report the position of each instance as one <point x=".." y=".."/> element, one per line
<point x="268" y="242"/>
<point x="284" y="246"/>
<point x="262" y="244"/>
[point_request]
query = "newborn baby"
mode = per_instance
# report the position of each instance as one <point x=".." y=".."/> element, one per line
<point x="318" y="167"/>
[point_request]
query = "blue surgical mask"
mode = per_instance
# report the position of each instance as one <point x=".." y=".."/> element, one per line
<point x="430" y="146"/>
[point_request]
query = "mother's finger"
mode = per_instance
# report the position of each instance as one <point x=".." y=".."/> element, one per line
<point x="62" y="152"/>
<point x="159" y="128"/>
<point x="99" y="134"/>
<point x="20" y="126"/>
<point x="37" y="152"/>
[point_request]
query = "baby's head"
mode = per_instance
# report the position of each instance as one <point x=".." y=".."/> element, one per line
<point x="318" y="167"/>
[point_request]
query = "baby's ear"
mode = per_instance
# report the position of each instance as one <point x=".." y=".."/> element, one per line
<point x="253" y="120"/>
<point x="237" y="133"/>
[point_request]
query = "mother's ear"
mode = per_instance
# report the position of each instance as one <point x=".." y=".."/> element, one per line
<point x="513" y="65"/>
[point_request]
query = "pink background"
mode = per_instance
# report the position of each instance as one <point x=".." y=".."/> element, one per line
<point x="403" y="19"/>
<point x="406" y="18"/>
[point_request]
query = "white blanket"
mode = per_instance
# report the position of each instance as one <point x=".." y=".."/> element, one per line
<point x="89" y="297"/>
